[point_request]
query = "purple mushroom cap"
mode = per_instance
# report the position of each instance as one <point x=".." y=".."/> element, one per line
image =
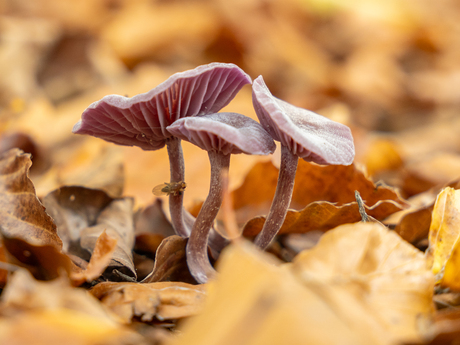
<point x="228" y="133"/>
<point x="308" y="135"/>
<point x="142" y="120"/>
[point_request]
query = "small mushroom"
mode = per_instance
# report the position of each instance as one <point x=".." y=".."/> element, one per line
<point x="220" y="134"/>
<point x="302" y="133"/>
<point x="142" y="120"/>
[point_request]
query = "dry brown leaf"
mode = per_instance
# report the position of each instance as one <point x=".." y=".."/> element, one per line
<point x="100" y="259"/>
<point x="386" y="275"/>
<point x="336" y="184"/>
<point x="415" y="226"/>
<point x="73" y="209"/>
<point x="53" y="312"/>
<point x="83" y="214"/>
<point x="152" y="220"/>
<point x="323" y="216"/>
<point x="44" y="262"/>
<point x="161" y="300"/>
<point x="257" y="302"/>
<point x="117" y="220"/>
<point x="21" y="213"/>
<point x="170" y="262"/>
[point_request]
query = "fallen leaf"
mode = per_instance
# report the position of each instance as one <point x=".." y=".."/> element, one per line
<point x="117" y="220"/>
<point x="152" y="220"/>
<point x="335" y="184"/>
<point x="444" y="229"/>
<point x="254" y="300"/>
<point x="45" y="262"/>
<point x="323" y="216"/>
<point x="21" y="213"/>
<point x="100" y="259"/>
<point x="83" y="214"/>
<point x="415" y="226"/>
<point x="385" y="274"/>
<point x="73" y="209"/>
<point x="413" y="223"/>
<point x="161" y="300"/>
<point x="50" y="312"/>
<point x="170" y="262"/>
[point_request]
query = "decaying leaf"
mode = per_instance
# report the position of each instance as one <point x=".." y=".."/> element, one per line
<point x="152" y="219"/>
<point x="83" y="214"/>
<point x="322" y="215"/>
<point x="100" y="259"/>
<point x="117" y="220"/>
<point x="53" y="312"/>
<point x="73" y="209"/>
<point x="256" y="301"/>
<point x="21" y="213"/>
<point x="44" y="262"/>
<point x="162" y="300"/>
<point x="170" y="262"/>
<point x="444" y="245"/>
<point x="385" y="274"/>
<point x="335" y="184"/>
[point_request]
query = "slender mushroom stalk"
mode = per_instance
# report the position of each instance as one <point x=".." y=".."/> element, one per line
<point x="177" y="174"/>
<point x="142" y="120"/>
<point x="220" y="134"/>
<point x="303" y="134"/>
<point x="197" y="253"/>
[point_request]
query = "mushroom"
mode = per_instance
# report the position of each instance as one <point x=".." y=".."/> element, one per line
<point x="142" y="120"/>
<point x="220" y="134"/>
<point x="302" y="133"/>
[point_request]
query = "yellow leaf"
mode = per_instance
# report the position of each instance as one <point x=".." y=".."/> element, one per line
<point x="386" y="275"/>
<point x="444" y="228"/>
<point x="255" y="301"/>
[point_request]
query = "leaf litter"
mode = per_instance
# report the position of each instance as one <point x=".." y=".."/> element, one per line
<point x="388" y="70"/>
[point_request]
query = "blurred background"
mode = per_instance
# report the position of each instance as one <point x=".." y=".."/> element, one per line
<point x="389" y="69"/>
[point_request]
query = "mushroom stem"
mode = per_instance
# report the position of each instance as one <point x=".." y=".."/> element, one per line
<point x="281" y="200"/>
<point x="176" y="161"/>
<point x="197" y="246"/>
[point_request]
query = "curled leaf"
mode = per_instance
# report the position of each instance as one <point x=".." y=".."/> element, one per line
<point x="323" y="216"/>
<point x="21" y="213"/>
<point x="336" y="184"/>
<point x="170" y="262"/>
<point x="444" y="245"/>
<point x="163" y="300"/>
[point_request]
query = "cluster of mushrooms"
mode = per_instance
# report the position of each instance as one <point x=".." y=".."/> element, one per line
<point x="185" y="107"/>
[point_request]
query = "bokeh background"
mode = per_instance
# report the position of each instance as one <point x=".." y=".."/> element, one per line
<point x="390" y="69"/>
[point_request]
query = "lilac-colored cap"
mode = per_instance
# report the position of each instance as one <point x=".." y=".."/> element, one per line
<point x="224" y="132"/>
<point x="142" y="120"/>
<point x="308" y="135"/>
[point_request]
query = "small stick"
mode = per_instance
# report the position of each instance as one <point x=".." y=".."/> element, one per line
<point x="361" y="208"/>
